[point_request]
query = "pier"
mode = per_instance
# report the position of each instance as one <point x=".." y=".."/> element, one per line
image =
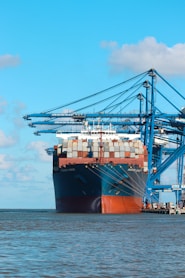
<point x="164" y="210"/>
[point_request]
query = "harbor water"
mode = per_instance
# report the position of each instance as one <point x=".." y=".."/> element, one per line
<point x="43" y="243"/>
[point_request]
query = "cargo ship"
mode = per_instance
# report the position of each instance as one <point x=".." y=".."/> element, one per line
<point x="99" y="171"/>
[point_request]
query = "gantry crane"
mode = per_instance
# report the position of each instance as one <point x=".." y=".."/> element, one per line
<point x="154" y="113"/>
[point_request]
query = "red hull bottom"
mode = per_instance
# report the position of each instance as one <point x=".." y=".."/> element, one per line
<point x="121" y="204"/>
<point x="103" y="204"/>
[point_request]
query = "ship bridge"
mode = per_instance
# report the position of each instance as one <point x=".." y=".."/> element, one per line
<point x="146" y="105"/>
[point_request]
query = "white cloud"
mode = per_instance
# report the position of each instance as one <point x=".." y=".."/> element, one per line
<point x="8" y="60"/>
<point x="18" y="107"/>
<point x="147" y="54"/>
<point x="110" y="44"/>
<point x="17" y="112"/>
<point x="5" y="162"/>
<point x="24" y="173"/>
<point x="6" y="141"/>
<point x="39" y="148"/>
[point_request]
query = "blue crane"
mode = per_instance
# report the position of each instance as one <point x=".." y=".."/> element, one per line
<point x="147" y="116"/>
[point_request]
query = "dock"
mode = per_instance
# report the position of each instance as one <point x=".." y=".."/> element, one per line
<point x="164" y="210"/>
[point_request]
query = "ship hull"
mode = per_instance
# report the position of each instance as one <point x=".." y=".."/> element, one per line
<point x="108" y="189"/>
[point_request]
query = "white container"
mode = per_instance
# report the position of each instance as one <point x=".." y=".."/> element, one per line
<point x="84" y="144"/>
<point x="136" y="150"/>
<point x="95" y="144"/>
<point x="126" y="144"/>
<point x="140" y="151"/>
<point x="58" y="151"/>
<point x="75" y="146"/>
<point x="70" y="143"/>
<point x="75" y="154"/>
<point x="122" y="148"/>
<point x="95" y="148"/>
<point x="131" y="144"/>
<point x="106" y="154"/>
<point x="132" y="149"/>
<point x="116" y="148"/>
<point x="80" y="147"/>
<point x="122" y="154"/>
<point x="127" y="149"/>
<point x="95" y="154"/>
<point x="117" y="154"/>
<point x="69" y="155"/>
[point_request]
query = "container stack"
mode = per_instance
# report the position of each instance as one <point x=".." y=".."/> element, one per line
<point x="110" y="148"/>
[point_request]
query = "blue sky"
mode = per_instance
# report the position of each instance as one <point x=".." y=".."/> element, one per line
<point x="52" y="52"/>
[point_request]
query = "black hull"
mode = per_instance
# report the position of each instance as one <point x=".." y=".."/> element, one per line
<point x="98" y="189"/>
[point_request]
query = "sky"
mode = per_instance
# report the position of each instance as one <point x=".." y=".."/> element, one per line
<point x="52" y="52"/>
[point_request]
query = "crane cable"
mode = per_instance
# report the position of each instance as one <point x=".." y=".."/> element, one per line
<point x="97" y="93"/>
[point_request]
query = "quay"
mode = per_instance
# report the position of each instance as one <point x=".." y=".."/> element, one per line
<point x="164" y="210"/>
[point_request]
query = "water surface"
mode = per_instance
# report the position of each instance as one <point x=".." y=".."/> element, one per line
<point x="43" y="243"/>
